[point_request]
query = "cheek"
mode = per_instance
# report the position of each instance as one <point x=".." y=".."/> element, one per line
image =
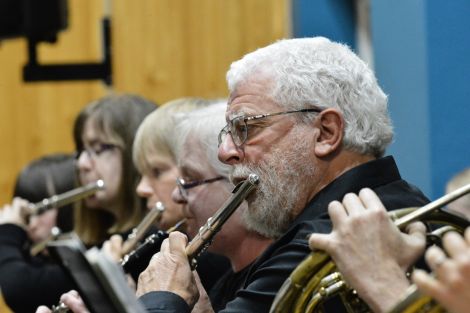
<point x="47" y="219"/>
<point x="255" y="153"/>
<point x="197" y="211"/>
<point x="203" y="211"/>
<point x="112" y="175"/>
<point x="164" y="190"/>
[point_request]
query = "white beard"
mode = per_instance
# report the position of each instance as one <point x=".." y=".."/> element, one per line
<point x="282" y="176"/>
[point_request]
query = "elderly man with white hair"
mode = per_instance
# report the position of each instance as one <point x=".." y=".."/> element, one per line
<point x="308" y="117"/>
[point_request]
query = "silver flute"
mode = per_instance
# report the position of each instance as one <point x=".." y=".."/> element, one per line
<point x="207" y="232"/>
<point x="58" y="201"/>
<point x="65" y="198"/>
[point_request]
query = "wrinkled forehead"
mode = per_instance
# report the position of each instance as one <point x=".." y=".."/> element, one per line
<point x="191" y="148"/>
<point x="251" y="105"/>
<point x="193" y="156"/>
<point x="253" y="96"/>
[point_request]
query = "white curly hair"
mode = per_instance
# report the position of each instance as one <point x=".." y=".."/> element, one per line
<point x="318" y="72"/>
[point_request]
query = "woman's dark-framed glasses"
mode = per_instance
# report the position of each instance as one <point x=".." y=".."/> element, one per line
<point x="238" y="126"/>
<point x="183" y="186"/>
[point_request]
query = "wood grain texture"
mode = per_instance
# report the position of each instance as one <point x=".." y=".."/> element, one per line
<point x="162" y="49"/>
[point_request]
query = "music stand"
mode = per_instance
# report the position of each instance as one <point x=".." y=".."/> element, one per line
<point x="100" y="281"/>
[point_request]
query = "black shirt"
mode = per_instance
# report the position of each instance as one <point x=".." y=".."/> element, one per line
<point x="26" y="281"/>
<point x="272" y="268"/>
<point x="224" y="290"/>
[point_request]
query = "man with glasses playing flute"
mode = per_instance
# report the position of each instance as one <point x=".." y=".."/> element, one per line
<point x="308" y="117"/>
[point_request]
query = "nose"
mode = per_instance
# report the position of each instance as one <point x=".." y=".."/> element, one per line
<point x="84" y="161"/>
<point x="144" y="189"/>
<point x="177" y="197"/>
<point x="229" y="152"/>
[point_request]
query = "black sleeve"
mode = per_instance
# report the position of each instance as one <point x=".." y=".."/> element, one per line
<point x="28" y="282"/>
<point x="164" y="302"/>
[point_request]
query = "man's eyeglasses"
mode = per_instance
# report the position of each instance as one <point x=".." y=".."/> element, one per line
<point x="184" y="186"/>
<point x="96" y="150"/>
<point x="238" y="126"/>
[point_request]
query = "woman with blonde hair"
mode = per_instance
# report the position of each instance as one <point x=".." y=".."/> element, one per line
<point x="154" y="153"/>
<point x="154" y="156"/>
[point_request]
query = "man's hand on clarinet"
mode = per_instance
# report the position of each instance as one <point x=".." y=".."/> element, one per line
<point x="169" y="270"/>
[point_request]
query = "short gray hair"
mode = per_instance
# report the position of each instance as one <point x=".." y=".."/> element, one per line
<point x="205" y="124"/>
<point x="318" y="72"/>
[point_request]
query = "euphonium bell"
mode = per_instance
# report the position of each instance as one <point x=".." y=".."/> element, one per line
<point x="315" y="279"/>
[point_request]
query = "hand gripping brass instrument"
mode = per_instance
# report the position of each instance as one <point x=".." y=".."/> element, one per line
<point x="139" y="232"/>
<point x="65" y="198"/>
<point x="207" y="232"/>
<point x="316" y="280"/>
<point x="414" y="301"/>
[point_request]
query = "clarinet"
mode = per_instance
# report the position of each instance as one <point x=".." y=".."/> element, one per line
<point x="137" y="260"/>
<point x="60" y="308"/>
<point x="138" y="232"/>
<point x="207" y="232"/>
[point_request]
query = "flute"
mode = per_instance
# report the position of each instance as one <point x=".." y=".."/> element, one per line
<point x="207" y="232"/>
<point x="139" y="231"/>
<point x="65" y="198"/>
<point x="40" y="246"/>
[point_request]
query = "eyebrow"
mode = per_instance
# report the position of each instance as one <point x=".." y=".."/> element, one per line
<point x="187" y="170"/>
<point x="92" y="142"/>
<point x="240" y="113"/>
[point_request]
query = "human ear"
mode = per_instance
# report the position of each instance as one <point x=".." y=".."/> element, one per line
<point x="330" y="122"/>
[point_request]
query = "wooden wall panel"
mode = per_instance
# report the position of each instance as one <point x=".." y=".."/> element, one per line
<point x="162" y="49"/>
<point x="36" y="118"/>
<point x="172" y="48"/>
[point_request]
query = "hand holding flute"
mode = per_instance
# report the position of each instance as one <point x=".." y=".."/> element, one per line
<point x="65" y="198"/>
<point x="15" y="213"/>
<point x="20" y="210"/>
<point x="69" y="302"/>
<point x="171" y="269"/>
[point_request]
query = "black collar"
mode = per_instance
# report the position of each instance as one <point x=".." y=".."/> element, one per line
<point x="370" y="174"/>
